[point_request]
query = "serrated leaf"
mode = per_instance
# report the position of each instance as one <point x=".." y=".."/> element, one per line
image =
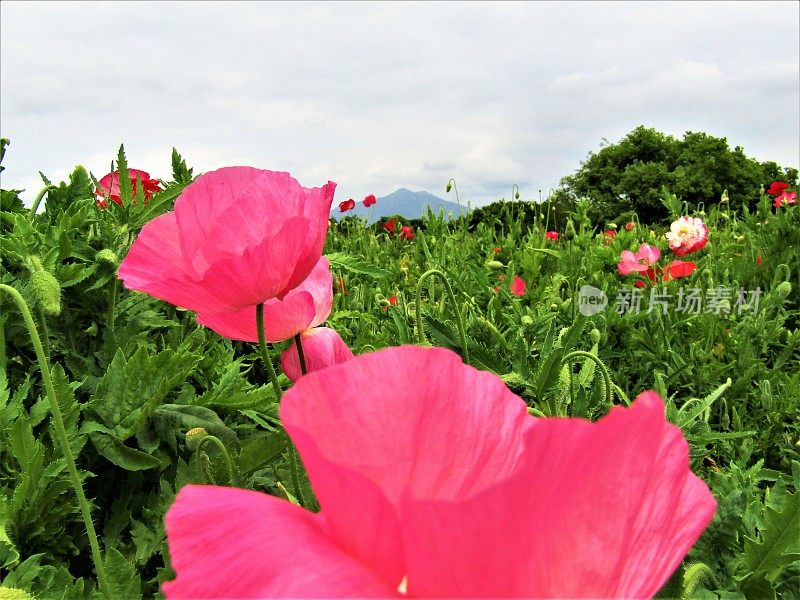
<point x="123" y="580"/>
<point x="340" y="260"/>
<point x="232" y="392"/>
<point x="779" y="542"/>
<point x="133" y="388"/>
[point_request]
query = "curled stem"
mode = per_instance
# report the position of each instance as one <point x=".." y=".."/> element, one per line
<point x="599" y="363"/>
<point x="232" y="477"/>
<point x="63" y="440"/>
<point x="459" y="321"/>
<point x="38" y="201"/>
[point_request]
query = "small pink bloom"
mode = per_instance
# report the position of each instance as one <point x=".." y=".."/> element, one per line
<point x="322" y="348"/>
<point x="777" y="187"/>
<point x="347" y="205"/>
<point x="552" y="235"/>
<point x="687" y="235"/>
<point x="449" y="488"/>
<point x="238" y="237"/>
<point x="517" y="286"/>
<point x="109" y="186"/>
<point x="648" y="254"/>
<point x="785" y="199"/>
<point x="407" y="232"/>
<point x="370" y="200"/>
<point x="639" y="262"/>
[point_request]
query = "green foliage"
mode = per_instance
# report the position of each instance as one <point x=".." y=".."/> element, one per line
<point x="629" y="176"/>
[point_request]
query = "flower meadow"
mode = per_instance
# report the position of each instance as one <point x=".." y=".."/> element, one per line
<point x="210" y="389"/>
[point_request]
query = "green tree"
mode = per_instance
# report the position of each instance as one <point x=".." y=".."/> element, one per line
<point x="632" y="174"/>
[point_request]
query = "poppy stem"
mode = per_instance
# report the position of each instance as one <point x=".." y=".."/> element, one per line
<point x="232" y="477"/>
<point x="61" y="435"/>
<point x="262" y="344"/>
<point x="459" y="321"/>
<point x="35" y="205"/>
<point x="301" y="355"/>
<point x="600" y="364"/>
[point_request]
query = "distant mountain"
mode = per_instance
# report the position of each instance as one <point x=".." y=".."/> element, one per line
<point x="403" y="202"/>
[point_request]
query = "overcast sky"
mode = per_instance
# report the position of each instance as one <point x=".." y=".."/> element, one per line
<point x="377" y="96"/>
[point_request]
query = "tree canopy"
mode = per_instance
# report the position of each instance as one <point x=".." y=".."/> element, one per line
<point x="633" y="174"/>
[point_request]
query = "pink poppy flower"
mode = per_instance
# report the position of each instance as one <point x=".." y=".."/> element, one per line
<point x="238" y="236"/>
<point x="306" y="306"/>
<point x="109" y="186"/>
<point x="638" y="262"/>
<point x="785" y="199"/>
<point x="777" y="187"/>
<point x="322" y="348"/>
<point x="447" y="488"/>
<point x="347" y="205"/>
<point x="517" y="286"/>
<point x="370" y="200"/>
<point x="552" y="235"/>
<point x="687" y="235"/>
<point x="407" y="232"/>
<point x="390" y="225"/>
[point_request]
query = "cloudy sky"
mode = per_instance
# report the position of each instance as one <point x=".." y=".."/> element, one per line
<point x="377" y="96"/>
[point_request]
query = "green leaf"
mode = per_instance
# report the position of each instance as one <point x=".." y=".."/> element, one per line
<point x="232" y="392"/>
<point x="123" y="580"/>
<point x="349" y="263"/>
<point x="121" y="455"/>
<point x="125" y="186"/>
<point x="779" y="544"/>
<point x="190" y="417"/>
<point x="133" y="388"/>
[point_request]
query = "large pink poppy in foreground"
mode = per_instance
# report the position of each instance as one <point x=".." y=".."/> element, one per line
<point x="238" y="236"/>
<point x="436" y="483"/>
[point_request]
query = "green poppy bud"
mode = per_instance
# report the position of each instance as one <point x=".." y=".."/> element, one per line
<point x="495" y="265"/>
<point x="45" y="292"/>
<point x="449" y="187"/>
<point x="595" y="335"/>
<point x="783" y="290"/>
<point x="569" y="230"/>
<point x="107" y="259"/>
<point x="516" y="195"/>
<point x="193" y="437"/>
<point x="612" y="225"/>
<point x="527" y="320"/>
<point x="554" y="307"/>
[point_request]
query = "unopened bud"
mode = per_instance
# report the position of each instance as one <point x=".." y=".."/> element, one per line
<point x="783" y="290"/>
<point x="595" y="335"/>
<point x="91" y="330"/>
<point x="724" y="199"/>
<point x="569" y="230"/>
<point x="612" y="225"/>
<point x="496" y="265"/>
<point x="527" y="320"/>
<point x="449" y="187"/>
<point x="554" y="307"/>
<point x="107" y="259"/>
<point x="193" y="437"/>
<point x="45" y="292"/>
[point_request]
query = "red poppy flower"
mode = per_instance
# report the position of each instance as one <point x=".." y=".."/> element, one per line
<point x="639" y="283"/>
<point x="628" y="225"/>
<point x="552" y="235"/>
<point x="496" y="250"/>
<point x="407" y="232"/>
<point x="679" y="268"/>
<point x="758" y="261"/>
<point x="347" y="205"/>
<point x="517" y="286"/>
<point x="390" y="225"/>
<point x="777" y="187"/>
<point x="370" y="200"/>
<point x="392" y="300"/>
<point x="609" y="235"/>
<point x="109" y="186"/>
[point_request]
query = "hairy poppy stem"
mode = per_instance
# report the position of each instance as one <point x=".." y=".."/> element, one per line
<point x="112" y="300"/>
<point x="599" y="363"/>
<point x="459" y="321"/>
<point x="300" y="354"/>
<point x="61" y="434"/>
<point x="262" y="344"/>
<point x="232" y="477"/>
<point x="38" y="201"/>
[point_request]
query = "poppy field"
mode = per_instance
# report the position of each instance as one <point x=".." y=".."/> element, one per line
<point x="211" y="389"/>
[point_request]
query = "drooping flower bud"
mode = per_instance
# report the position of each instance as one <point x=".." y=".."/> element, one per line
<point x="595" y="335"/>
<point x="449" y="187"/>
<point x="44" y="289"/>
<point x="783" y="290"/>
<point x="107" y="260"/>
<point x="193" y="437"/>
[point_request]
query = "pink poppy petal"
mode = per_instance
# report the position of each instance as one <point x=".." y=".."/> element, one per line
<point x="263" y="547"/>
<point x="322" y="348"/>
<point x="306" y="306"/>
<point x="385" y="439"/>
<point x="517" y="286"/>
<point x="154" y="265"/>
<point x="600" y="510"/>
